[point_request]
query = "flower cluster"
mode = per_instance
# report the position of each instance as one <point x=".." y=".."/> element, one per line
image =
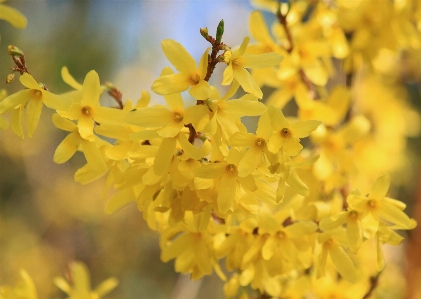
<point x="281" y="210"/>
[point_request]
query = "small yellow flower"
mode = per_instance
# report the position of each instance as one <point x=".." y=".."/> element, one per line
<point x="87" y="110"/>
<point x="189" y="75"/>
<point x="237" y="61"/>
<point x="33" y="98"/>
<point x="80" y="286"/>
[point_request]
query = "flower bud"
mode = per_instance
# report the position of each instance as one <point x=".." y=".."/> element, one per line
<point x="14" y="51"/>
<point x="10" y="78"/>
<point x="219" y="31"/>
<point x="204" y="32"/>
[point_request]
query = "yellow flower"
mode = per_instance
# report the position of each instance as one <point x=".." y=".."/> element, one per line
<point x="332" y="242"/>
<point x="287" y="136"/>
<point x="230" y="181"/>
<point x="256" y="144"/>
<point x="72" y="142"/>
<point x="3" y="122"/>
<point x="87" y="110"/>
<point x="189" y="76"/>
<point x="379" y="206"/>
<point x="237" y="61"/>
<point x="354" y="227"/>
<point x="24" y="290"/>
<point x="79" y="285"/>
<point x="12" y="16"/>
<point x="33" y="97"/>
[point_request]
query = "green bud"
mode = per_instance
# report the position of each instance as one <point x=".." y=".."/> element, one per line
<point x="14" y="51"/>
<point x="219" y="31"/>
<point x="204" y="32"/>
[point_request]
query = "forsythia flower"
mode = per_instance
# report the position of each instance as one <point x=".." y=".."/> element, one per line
<point x="237" y="61"/>
<point x="24" y="290"/>
<point x="86" y="109"/>
<point x="80" y="286"/>
<point x="33" y="97"/>
<point x="189" y="76"/>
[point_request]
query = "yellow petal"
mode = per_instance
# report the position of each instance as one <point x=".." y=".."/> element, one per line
<point x="85" y="126"/>
<point x="301" y="129"/>
<point x="164" y="156"/>
<point x="28" y="81"/>
<point x="261" y="60"/>
<point x="178" y="56"/>
<point x="93" y="155"/>
<point x="33" y="113"/>
<point x="16" y="121"/>
<point x="242" y="139"/>
<point x="211" y="170"/>
<point x="354" y="235"/>
<point x="264" y="128"/>
<point x="12" y="16"/>
<point x="171" y="130"/>
<point x="119" y="200"/>
<point x="258" y="29"/>
<point x="189" y="149"/>
<point x="67" y="148"/>
<point x="14" y="100"/>
<point x="203" y="64"/>
<point x="242" y="48"/>
<point x="393" y="214"/>
<point x="91" y="89"/>
<point x="228" y="75"/>
<point x="343" y="263"/>
<point x="292" y="146"/>
<point x="175" y="102"/>
<point x="157" y="116"/>
<point x="172" y="83"/>
<point x="241" y="107"/>
<point x="380" y="187"/>
<point x="250" y="161"/>
<point x="226" y="194"/>
<point x="246" y="81"/>
<point x="300" y="229"/>
<point x="297" y="184"/>
<point x="200" y="91"/>
<point x="277" y="118"/>
<point x="106" y="286"/>
<point x="69" y="80"/>
<point x="56" y="102"/>
<point x="194" y="114"/>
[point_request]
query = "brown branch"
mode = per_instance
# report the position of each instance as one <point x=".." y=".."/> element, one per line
<point x="374" y="282"/>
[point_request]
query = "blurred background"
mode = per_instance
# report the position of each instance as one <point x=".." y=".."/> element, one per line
<point x="48" y="220"/>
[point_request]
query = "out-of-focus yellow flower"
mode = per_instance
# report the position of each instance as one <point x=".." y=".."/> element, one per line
<point x="12" y="16"/>
<point x="79" y="286"/>
<point x="25" y="289"/>
<point x="189" y="76"/>
<point x="3" y="122"/>
<point x="237" y="61"/>
<point x="33" y="98"/>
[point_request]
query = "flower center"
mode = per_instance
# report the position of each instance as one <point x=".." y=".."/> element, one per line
<point x="285" y="133"/>
<point x="36" y="94"/>
<point x="260" y="143"/>
<point x="195" y="78"/>
<point x="177" y="117"/>
<point x="87" y="111"/>
<point x="372" y="204"/>
<point x="231" y="169"/>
